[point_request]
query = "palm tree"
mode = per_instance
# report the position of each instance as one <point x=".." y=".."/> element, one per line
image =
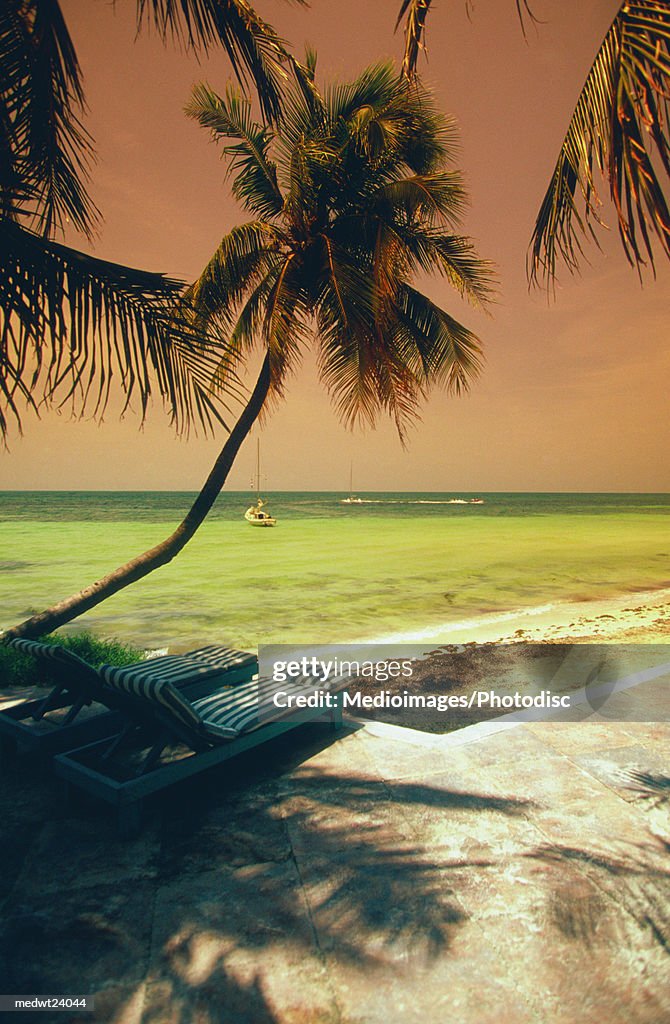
<point x="620" y="126"/>
<point x="69" y="322"/>
<point x="351" y="196"/>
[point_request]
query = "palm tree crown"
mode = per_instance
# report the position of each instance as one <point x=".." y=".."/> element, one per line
<point x="352" y="195"/>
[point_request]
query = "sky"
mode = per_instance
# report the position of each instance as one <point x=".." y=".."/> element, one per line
<point x="574" y="392"/>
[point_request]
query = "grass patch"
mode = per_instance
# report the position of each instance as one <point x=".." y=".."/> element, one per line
<point x="18" y="669"/>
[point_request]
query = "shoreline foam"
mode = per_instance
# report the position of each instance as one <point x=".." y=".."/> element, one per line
<point x="642" y="617"/>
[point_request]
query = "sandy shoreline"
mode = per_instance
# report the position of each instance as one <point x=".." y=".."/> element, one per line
<point x="642" y="617"/>
<point x="528" y="650"/>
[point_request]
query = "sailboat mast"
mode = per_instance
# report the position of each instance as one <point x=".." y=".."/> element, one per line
<point x="258" y="467"/>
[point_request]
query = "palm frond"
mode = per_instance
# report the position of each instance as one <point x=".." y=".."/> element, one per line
<point x="46" y="151"/>
<point x="244" y="256"/>
<point x="254" y="48"/>
<point x="255" y="182"/>
<point x="434" y="344"/>
<point x="415" y="29"/>
<point x="431" y="141"/>
<point x="374" y="88"/>
<point x="452" y="256"/>
<point x="388" y="115"/>
<point x="285" y="325"/>
<point x="438" y="196"/>
<point x="72" y="325"/>
<point x="524" y="11"/>
<point x="416" y="13"/>
<point x="366" y="376"/>
<point x="358" y="366"/>
<point x="247" y="332"/>
<point x="473" y="278"/>
<point x="620" y="126"/>
<point x="305" y="76"/>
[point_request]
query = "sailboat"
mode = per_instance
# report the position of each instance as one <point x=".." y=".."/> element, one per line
<point x="352" y="499"/>
<point x="255" y="514"/>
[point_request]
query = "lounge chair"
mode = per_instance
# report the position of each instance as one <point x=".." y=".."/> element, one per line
<point x="70" y="714"/>
<point x="170" y="735"/>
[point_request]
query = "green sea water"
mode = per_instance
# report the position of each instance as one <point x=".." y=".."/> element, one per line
<point x="395" y="565"/>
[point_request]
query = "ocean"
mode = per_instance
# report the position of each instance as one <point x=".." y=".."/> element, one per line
<point x="395" y="565"/>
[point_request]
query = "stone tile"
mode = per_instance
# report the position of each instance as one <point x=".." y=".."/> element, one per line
<point x="361" y="875"/>
<point x="615" y="767"/>
<point x="231" y="830"/>
<point x="591" y="822"/>
<point x="393" y="759"/>
<point x="16" y="842"/>
<point x="550" y="780"/>
<point x="511" y="880"/>
<point x="325" y="819"/>
<point x="321" y="788"/>
<point x="564" y="941"/>
<point x="73" y="854"/>
<point x="28" y="795"/>
<point x="650" y="702"/>
<point x="116" y="1004"/>
<point x="570" y="806"/>
<point x="373" y="892"/>
<point x="502" y="748"/>
<point x="654" y="735"/>
<point x="571" y="738"/>
<point x="236" y="947"/>
<point x="462" y="764"/>
<point x="349" y="756"/>
<point x="81" y="940"/>
<point x="469" y="822"/>
<point x="458" y="981"/>
<point x="451" y="991"/>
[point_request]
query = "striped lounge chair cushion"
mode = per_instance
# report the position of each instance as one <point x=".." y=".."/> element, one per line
<point x="223" y="714"/>
<point x="153" y="688"/>
<point x="180" y="669"/>
<point x="227" y="713"/>
<point x="50" y="652"/>
<point x="157" y="680"/>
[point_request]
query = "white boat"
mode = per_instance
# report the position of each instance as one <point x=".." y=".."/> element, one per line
<point x="257" y="517"/>
<point x="255" y="514"/>
<point x="352" y="499"/>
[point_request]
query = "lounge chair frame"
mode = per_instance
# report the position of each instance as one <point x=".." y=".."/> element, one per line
<point x="85" y="767"/>
<point x="80" y="685"/>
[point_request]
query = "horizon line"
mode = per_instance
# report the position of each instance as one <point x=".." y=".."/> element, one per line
<point x="179" y="490"/>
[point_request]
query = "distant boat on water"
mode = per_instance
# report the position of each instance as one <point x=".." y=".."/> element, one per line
<point x="448" y="501"/>
<point x="255" y="514"/>
<point x="352" y="499"/>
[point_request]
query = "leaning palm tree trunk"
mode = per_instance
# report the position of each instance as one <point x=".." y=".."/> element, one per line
<point x="139" y="567"/>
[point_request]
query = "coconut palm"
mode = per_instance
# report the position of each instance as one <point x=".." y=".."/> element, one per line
<point x="70" y="323"/>
<point x="620" y="127"/>
<point x="350" y="197"/>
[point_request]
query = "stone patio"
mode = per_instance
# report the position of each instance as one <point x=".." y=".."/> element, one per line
<point x="519" y="876"/>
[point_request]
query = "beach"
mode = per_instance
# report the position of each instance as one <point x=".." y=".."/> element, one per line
<point x="642" y="618"/>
